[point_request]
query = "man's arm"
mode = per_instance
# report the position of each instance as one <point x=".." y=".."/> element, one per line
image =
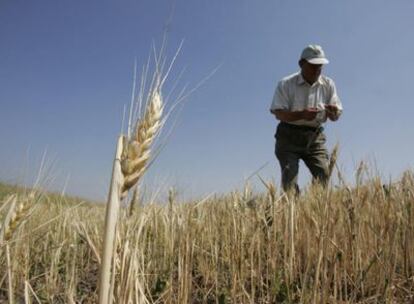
<point x="333" y="107"/>
<point x="286" y="116"/>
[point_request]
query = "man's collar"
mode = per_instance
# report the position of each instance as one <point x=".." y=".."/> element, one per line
<point x="301" y="80"/>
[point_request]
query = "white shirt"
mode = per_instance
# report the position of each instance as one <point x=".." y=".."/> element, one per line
<point x="293" y="93"/>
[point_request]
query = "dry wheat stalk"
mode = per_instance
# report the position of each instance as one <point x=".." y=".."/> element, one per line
<point x="131" y="161"/>
<point x="332" y="160"/>
<point x="133" y="157"/>
<point x="111" y="219"/>
<point x="134" y="200"/>
<point x="9" y="275"/>
<point x="271" y="189"/>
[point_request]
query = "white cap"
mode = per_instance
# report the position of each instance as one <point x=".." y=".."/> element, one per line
<point x="314" y="54"/>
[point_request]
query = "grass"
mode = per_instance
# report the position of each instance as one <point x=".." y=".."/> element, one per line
<point x="347" y="245"/>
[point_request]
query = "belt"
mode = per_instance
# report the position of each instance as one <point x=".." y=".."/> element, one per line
<point x="300" y="128"/>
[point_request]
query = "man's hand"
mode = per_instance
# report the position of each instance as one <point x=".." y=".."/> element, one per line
<point x="309" y="114"/>
<point x="332" y="111"/>
<point x="286" y="116"/>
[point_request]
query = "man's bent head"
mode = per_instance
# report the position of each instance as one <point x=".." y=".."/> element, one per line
<point x="311" y="61"/>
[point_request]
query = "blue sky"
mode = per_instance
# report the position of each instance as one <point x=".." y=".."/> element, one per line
<point x="66" y="73"/>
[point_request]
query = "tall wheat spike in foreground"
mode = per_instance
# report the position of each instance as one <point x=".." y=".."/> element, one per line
<point x="131" y="160"/>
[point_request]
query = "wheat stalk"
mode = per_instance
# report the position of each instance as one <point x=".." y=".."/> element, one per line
<point x="15" y="214"/>
<point x="332" y="160"/>
<point x="134" y="201"/>
<point x="133" y="157"/>
<point x="131" y="161"/>
<point x="9" y="275"/>
<point x="111" y="219"/>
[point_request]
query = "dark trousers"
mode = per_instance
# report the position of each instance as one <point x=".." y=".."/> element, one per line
<point x="296" y="142"/>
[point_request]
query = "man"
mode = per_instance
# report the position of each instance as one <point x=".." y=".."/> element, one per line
<point x="303" y="102"/>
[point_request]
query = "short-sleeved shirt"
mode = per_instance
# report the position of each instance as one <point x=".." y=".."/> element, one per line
<point x="293" y="93"/>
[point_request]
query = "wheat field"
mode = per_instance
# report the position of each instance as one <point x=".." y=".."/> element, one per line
<point x="337" y="245"/>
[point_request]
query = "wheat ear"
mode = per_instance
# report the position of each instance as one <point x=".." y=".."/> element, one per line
<point x="5" y="225"/>
<point x="332" y="160"/>
<point x="15" y="214"/>
<point x="137" y="151"/>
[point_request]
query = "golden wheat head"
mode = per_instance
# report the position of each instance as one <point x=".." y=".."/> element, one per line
<point x="137" y="151"/>
<point x="16" y="214"/>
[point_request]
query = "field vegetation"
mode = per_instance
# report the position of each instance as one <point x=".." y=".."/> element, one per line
<point x="337" y="245"/>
